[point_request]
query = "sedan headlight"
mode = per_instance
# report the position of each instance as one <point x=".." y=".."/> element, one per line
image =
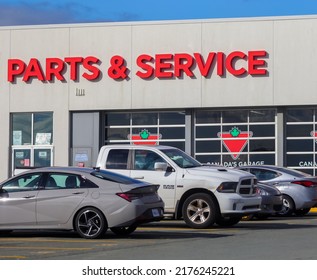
<point x="261" y="191"/>
<point x="227" y="187"/>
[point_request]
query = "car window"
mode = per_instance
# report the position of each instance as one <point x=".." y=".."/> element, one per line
<point x="62" y="181"/>
<point x="117" y="159"/>
<point x="114" y="177"/>
<point x="145" y="160"/>
<point x="263" y="174"/>
<point x="23" y="183"/>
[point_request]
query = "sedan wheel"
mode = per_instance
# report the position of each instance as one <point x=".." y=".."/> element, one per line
<point x="288" y="206"/>
<point x="123" y="231"/>
<point x="199" y="211"/>
<point x="90" y="223"/>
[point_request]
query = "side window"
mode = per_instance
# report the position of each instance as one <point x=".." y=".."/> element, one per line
<point x="145" y="160"/>
<point x="23" y="183"/>
<point x="117" y="159"/>
<point x="264" y="175"/>
<point x="62" y="181"/>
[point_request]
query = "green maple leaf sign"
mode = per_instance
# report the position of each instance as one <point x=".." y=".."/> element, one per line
<point x="235" y="132"/>
<point x="144" y="134"/>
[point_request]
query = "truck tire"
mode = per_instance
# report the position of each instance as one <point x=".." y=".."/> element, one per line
<point x="199" y="211"/>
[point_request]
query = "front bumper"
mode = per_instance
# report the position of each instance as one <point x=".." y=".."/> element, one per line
<point x="271" y="204"/>
<point x="237" y="205"/>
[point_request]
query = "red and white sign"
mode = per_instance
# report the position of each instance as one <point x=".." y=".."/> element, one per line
<point x="235" y="141"/>
<point x="167" y="65"/>
<point x="145" y="138"/>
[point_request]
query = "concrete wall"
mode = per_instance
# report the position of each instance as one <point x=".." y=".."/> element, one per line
<point x="289" y="41"/>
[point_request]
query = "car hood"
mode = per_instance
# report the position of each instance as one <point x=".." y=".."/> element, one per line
<point x="220" y="172"/>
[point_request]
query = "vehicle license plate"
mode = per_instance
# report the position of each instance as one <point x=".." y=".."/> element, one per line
<point x="155" y="212"/>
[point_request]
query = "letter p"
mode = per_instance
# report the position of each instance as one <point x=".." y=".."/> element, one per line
<point x="15" y="68"/>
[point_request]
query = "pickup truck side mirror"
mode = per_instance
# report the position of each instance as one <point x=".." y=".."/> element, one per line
<point x="163" y="166"/>
<point x="160" y="166"/>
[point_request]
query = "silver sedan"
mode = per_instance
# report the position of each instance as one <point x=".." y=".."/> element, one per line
<point x="86" y="200"/>
<point x="299" y="189"/>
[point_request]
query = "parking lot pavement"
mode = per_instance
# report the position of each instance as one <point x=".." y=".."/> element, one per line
<point x="169" y="239"/>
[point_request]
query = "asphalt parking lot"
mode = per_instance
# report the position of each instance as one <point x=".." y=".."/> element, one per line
<point x="275" y="238"/>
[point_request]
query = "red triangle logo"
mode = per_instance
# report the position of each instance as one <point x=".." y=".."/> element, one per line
<point x="235" y="141"/>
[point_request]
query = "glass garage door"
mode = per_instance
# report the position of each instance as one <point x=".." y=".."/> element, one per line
<point x="236" y="137"/>
<point x="148" y="128"/>
<point x="301" y="139"/>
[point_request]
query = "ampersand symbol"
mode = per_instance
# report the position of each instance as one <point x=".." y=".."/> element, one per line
<point x="117" y="70"/>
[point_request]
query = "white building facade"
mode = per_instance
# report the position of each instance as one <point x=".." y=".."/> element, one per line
<point x="230" y="92"/>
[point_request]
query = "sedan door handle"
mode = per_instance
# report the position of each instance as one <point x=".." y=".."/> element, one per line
<point x="78" y="192"/>
<point x="29" y="196"/>
<point x="138" y="178"/>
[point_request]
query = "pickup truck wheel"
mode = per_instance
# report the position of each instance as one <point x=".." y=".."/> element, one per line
<point x="123" y="231"/>
<point x="199" y="211"/>
<point x="228" y="221"/>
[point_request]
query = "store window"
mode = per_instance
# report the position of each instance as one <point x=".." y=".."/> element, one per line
<point x="236" y="137"/>
<point x="147" y="128"/>
<point x="31" y="140"/>
<point x="301" y="137"/>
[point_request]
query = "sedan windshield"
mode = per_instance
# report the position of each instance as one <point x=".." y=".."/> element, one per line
<point x="181" y="159"/>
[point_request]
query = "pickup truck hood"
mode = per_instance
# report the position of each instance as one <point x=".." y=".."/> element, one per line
<point x="226" y="174"/>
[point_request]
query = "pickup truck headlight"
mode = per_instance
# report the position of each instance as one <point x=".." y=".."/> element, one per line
<point x="227" y="187"/>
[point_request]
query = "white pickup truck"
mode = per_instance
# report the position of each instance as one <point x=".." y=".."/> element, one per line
<point x="201" y="195"/>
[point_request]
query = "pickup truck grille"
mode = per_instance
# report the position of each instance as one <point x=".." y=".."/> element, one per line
<point x="246" y="186"/>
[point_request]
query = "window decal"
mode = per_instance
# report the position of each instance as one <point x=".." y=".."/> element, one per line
<point x="235" y="141"/>
<point x="144" y="138"/>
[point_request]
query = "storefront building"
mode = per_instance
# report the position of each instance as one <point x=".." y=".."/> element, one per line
<point x="229" y="92"/>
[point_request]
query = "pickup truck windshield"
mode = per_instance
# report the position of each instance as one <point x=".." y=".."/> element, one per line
<point x="181" y="159"/>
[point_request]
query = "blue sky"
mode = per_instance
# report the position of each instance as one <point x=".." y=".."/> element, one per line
<point x="22" y="12"/>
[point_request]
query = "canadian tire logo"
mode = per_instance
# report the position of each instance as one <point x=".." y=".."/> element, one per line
<point x="314" y="134"/>
<point x="235" y="141"/>
<point x="144" y="138"/>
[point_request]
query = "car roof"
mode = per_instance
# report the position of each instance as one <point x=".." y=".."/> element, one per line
<point x="261" y="166"/>
<point x="61" y="169"/>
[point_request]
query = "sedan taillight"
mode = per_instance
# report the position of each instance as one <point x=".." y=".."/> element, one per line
<point x="305" y="183"/>
<point x="127" y="196"/>
<point x="139" y="192"/>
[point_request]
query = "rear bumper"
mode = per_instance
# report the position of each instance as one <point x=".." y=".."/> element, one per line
<point x="150" y="215"/>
